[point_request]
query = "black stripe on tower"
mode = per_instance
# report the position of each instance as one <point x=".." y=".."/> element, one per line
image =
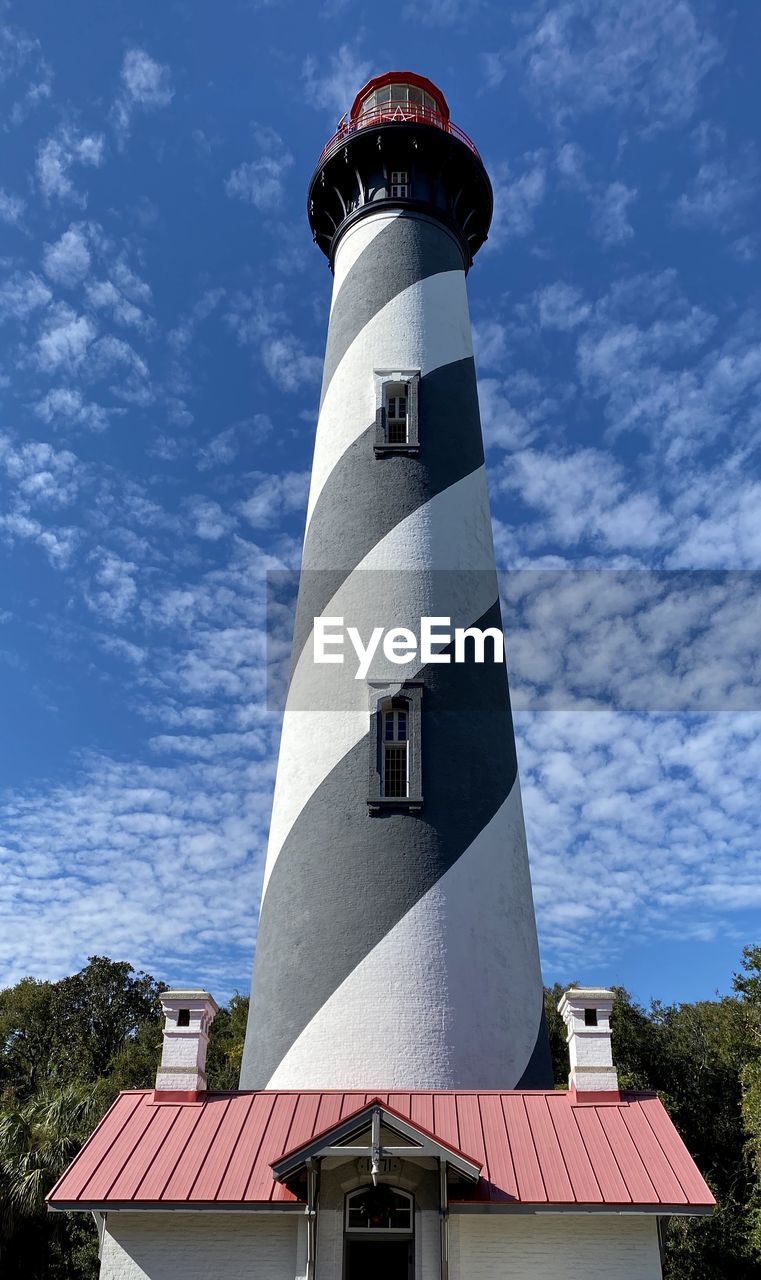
<point x="405" y="252"/>
<point x="342" y="881"/>
<point x="363" y="499"/>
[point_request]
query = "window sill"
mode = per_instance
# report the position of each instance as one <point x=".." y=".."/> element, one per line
<point x="381" y="450"/>
<point x="410" y="804"/>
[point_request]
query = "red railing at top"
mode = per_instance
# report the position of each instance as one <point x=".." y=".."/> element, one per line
<point x="394" y="113"/>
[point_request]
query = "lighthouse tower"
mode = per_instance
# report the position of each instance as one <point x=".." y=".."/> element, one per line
<point x="397" y="943"/>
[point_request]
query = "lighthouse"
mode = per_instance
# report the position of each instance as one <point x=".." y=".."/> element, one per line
<point x="397" y="1116"/>
<point x="396" y="944"/>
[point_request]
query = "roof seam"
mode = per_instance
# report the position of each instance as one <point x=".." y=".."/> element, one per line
<point x="234" y="1147"/>
<point x="153" y="1158"/>
<point x="509" y="1148"/>
<point x="128" y="1157"/>
<point x="575" y="1127"/>
<point x="207" y="1152"/>
<point x="80" y="1154"/>
<point x="265" y="1127"/>
<point x="536" y="1151"/>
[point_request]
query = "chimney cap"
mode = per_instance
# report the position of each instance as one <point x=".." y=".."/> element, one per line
<point x="188" y="995"/>
<point x="586" y="995"/>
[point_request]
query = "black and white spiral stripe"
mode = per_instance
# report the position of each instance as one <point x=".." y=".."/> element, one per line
<point x="397" y="950"/>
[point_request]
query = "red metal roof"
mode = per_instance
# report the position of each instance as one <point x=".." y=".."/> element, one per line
<point x="534" y="1148"/>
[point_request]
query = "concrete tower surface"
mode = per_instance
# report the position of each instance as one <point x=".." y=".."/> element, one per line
<point x="397" y="943"/>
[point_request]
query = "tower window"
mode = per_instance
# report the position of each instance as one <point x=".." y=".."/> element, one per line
<point x="395" y="749"/>
<point x="395" y="765"/>
<point x="396" y="412"/>
<point x="397" y="415"/>
<point x="400" y="187"/>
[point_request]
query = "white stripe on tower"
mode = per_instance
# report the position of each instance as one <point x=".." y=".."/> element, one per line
<point x="441" y="546"/>
<point x="397" y="946"/>
<point x="426" y="1030"/>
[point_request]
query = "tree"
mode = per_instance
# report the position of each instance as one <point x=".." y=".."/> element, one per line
<point x="98" y="1013"/>
<point x="38" y="1139"/>
<point x="228" y="1033"/>
<point x="26" y="1035"/>
<point x="748" y="987"/>
<point x="66" y="1048"/>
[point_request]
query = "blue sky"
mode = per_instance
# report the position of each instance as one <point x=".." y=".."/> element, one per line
<point x="163" y="314"/>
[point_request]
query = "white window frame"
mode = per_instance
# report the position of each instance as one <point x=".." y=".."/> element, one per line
<point x="384" y="378"/>
<point x="399" y="184"/>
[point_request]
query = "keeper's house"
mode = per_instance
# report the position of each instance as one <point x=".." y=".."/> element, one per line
<point x="469" y="1185"/>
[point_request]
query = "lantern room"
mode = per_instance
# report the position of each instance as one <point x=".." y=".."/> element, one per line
<point x="402" y="96"/>
<point x="397" y="147"/>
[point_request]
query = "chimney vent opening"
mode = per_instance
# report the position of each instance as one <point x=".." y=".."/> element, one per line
<point x="590" y="1017"/>
<point x="183" y="1018"/>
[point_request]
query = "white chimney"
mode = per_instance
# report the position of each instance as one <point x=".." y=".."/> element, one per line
<point x="187" y="1018"/>
<point x="586" y="1012"/>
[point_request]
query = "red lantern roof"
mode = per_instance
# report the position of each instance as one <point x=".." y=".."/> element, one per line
<point x="397" y="97"/>
<point x="401" y="78"/>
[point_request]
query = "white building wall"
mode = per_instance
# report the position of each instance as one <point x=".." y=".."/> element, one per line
<point x="539" y="1246"/>
<point x="201" y="1246"/>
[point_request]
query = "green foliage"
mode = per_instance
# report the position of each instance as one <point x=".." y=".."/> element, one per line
<point x="67" y="1047"/>
<point x="228" y="1032"/>
<point x="704" y="1060"/>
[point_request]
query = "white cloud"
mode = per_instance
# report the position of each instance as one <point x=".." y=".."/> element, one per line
<point x="11" y="208"/>
<point x="629" y="640"/>
<point x="442" y="13"/>
<point x="610" y="220"/>
<point x="646" y="364"/>
<point x="645" y="817"/>
<point x="39" y="473"/>
<point x="184" y="331"/>
<point x="209" y="520"/>
<point x="67" y="262"/>
<point x="112" y="591"/>
<point x="288" y="364"/>
<point x="111" y="357"/>
<point x="21" y="295"/>
<point x="260" y="182"/>
<point x="334" y="87"/>
<point x="224" y="447"/>
<point x="57" y="155"/>
<point x="145" y="84"/>
<point x="257" y="320"/>
<point x="66" y="404"/>
<point x="58" y="543"/>
<point x="582" y="495"/>
<point x="504" y="426"/>
<point x="720" y="194"/>
<point x="65" y="340"/>
<point x="561" y="306"/>
<point x="516" y="199"/>
<point x="489" y="344"/>
<point x="118" y="858"/>
<point x="274" y="496"/>
<point x="599" y="55"/>
<point x="24" y="67"/>
<point x="103" y="295"/>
